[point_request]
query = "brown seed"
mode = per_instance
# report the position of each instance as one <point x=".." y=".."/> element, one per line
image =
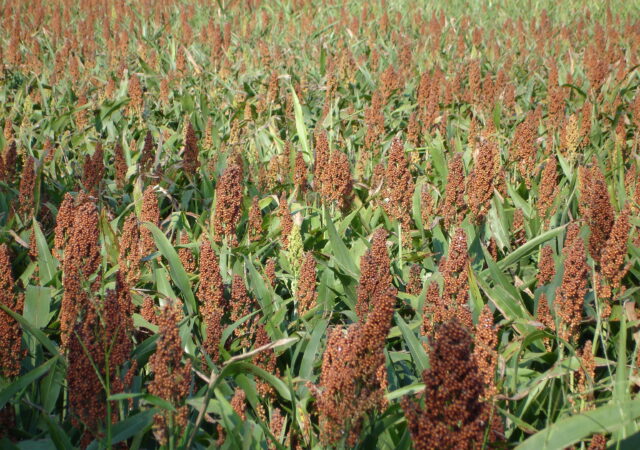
<point x="185" y="254"/>
<point x="255" y="221"/>
<point x="547" y="189"/>
<point x="454" y="206"/>
<point x="190" y="161"/>
<point x="212" y="303"/>
<point x="337" y="183"/>
<point x="228" y="204"/>
<point x="614" y="253"/>
<point x="242" y="305"/>
<point x="150" y="213"/>
<point x="375" y="275"/>
<point x="321" y="159"/>
<point x="120" y="166"/>
<point x="135" y="94"/>
<point x="570" y="298"/>
<point x="81" y="260"/>
<point x="10" y="330"/>
<point x="270" y="271"/>
<point x="483" y="179"/>
<point x="523" y="149"/>
<point x="286" y="222"/>
<point x="130" y="255"/>
<point x="599" y="211"/>
<point x="546" y="266"/>
<point x="587" y="373"/>
<point x="414" y="286"/>
<point x="266" y="360"/>
<point x="94" y="171"/>
<point x="451" y="413"/>
<point x="399" y="187"/>
<point x="171" y="376"/>
<point x="485" y="350"/>
<point x="350" y="385"/>
<point x="300" y="173"/>
<point x="306" y="293"/>
<point x="27" y="186"/>
<point x="238" y="403"/>
<point x="148" y="153"/>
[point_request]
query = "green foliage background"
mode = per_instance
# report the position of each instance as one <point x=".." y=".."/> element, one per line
<point x="539" y="401"/>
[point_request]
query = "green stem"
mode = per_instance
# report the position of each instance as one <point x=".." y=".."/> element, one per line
<point x="108" y="392"/>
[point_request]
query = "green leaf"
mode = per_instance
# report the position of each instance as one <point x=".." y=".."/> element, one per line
<point x="405" y="390"/>
<point x="300" y="126"/>
<point x="176" y="269"/>
<point x="309" y="357"/>
<point x="47" y="264"/>
<point x="159" y="402"/>
<point x="420" y="357"/>
<point x="121" y="431"/>
<point x="58" y="435"/>
<point x="124" y="396"/>
<point x="25" y="380"/>
<point x="566" y="432"/>
<point x="529" y="247"/>
<point x="132" y="425"/>
<point x="38" y="334"/>
<point x="340" y="250"/>
<point x="37" y="301"/>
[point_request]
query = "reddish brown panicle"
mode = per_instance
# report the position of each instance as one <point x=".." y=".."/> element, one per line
<point x="171" y="376"/>
<point x="211" y="297"/>
<point x="454" y="414"/>
<point x="306" y="293"/>
<point x="228" y="204"/>
<point x="10" y="330"/>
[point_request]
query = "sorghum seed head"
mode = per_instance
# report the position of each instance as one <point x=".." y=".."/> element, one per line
<point x="228" y="204"/>
<point x="171" y="377"/>
<point x="306" y="293"/>
<point x="27" y="186"/>
<point x="599" y="211"/>
<point x="190" y="161"/>
<point x="81" y="261"/>
<point x="375" y="275"/>
<point x="212" y="303"/>
<point x="546" y="266"/>
<point x="454" y="206"/>
<point x="242" y="305"/>
<point x="454" y="414"/>
<point x="150" y="213"/>
<point x="570" y="299"/>
<point x="255" y="221"/>
<point x="399" y="186"/>
<point x="10" y="330"/>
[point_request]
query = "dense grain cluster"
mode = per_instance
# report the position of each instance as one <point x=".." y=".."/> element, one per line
<point x="10" y="331"/>
<point x="81" y="264"/>
<point x="150" y="213"/>
<point x="306" y="293"/>
<point x="570" y="297"/>
<point x="241" y="306"/>
<point x="453" y="414"/>
<point x="454" y="206"/>
<point x="375" y="277"/>
<point x="399" y="186"/>
<point x="212" y="303"/>
<point x="453" y="302"/>
<point x="244" y="186"/>
<point x="613" y="258"/>
<point x="598" y="210"/>
<point x="349" y="385"/>
<point x="171" y="376"/>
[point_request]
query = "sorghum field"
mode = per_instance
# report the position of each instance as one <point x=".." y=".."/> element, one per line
<point x="302" y="224"/>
